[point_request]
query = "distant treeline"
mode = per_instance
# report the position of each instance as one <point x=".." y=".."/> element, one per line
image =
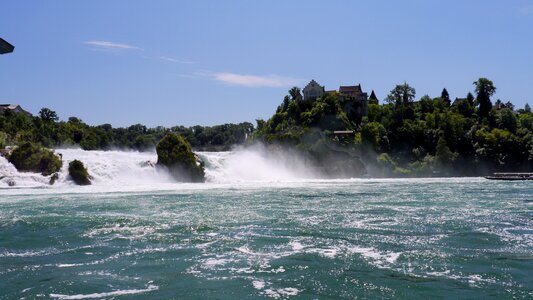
<point x="46" y="129"/>
<point x="404" y="137"/>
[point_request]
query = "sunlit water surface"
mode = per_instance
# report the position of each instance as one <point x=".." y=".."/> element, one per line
<point x="304" y="239"/>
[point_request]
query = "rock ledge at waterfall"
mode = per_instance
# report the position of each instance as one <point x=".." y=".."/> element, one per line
<point x="174" y="154"/>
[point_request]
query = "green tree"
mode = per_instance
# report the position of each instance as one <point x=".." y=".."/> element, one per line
<point x="3" y="140"/>
<point x="506" y="119"/>
<point x="443" y="153"/>
<point x="426" y="104"/>
<point x="401" y="94"/>
<point x="385" y="162"/>
<point x="484" y="89"/>
<point x="285" y="104"/>
<point x="295" y="93"/>
<point x="445" y="97"/>
<point x="374" y="112"/>
<point x="470" y="98"/>
<point x="464" y="108"/>
<point x="375" y="135"/>
<point x="526" y="121"/>
<point x="48" y="115"/>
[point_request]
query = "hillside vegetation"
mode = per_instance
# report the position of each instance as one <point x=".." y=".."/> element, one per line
<point x="404" y="137"/>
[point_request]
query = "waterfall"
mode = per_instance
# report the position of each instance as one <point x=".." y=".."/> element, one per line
<point x="254" y="164"/>
<point x="131" y="168"/>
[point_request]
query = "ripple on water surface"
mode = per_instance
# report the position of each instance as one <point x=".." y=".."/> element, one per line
<point x="337" y="239"/>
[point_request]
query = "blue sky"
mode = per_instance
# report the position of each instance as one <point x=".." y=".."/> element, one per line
<point x="212" y="62"/>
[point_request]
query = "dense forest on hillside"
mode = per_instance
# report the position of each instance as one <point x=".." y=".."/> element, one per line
<point x="399" y="137"/>
<point x="404" y="137"/>
<point x="46" y="130"/>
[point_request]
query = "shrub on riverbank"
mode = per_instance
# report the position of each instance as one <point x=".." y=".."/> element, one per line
<point x="29" y="157"/>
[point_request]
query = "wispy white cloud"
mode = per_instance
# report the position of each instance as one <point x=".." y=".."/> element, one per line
<point x="526" y="10"/>
<point x="108" y="45"/>
<point x="170" y="59"/>
<point x="253" y="80"/>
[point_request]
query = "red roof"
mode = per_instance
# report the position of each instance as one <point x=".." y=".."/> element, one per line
<point x="350" y="89"/>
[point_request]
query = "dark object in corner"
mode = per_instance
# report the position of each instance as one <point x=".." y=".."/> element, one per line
<point x="511" y="176"/>
<point x="5" y="47"/>
<point x="78" y="173"/>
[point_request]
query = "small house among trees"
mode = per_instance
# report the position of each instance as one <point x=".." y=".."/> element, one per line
<point x="313" y="90"/>
<point x="352" y="98"/>
<point x="13" y="108"/>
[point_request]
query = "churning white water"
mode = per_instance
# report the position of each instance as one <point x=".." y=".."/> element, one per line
<point x="254" y="164"/>
<point x="10" y="175"/>
<point x="117" y="167"/>
<point x="130" y="168"/>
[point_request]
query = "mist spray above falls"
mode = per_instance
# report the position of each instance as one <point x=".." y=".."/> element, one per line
<point x="255" y="163"/>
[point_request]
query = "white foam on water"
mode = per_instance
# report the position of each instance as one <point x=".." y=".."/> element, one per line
<point x="475" y="280"/>
<point x="283" y="292"/>
<point x="205" y="245"/>
<point x="254" y="164"/>
<point x="275" y="293"/>
<point x="8" y="173"/>
<point x="213" y="262"/>
<point x="325" y="252"/>
<point x="69" y="265"/>
<point x="123" y="232"/>
<point x="244" y="249"/>
<point x="121" y="171"/>
<point x="376" y="257"/>
<point x="149" y="288"/>
<point x="259" y="284"/>
<point x="135" y="171"/>
<point x="107" y="168"/>
<point x="296" y="246"/>
<point x="366" y="252"/>
<point x="26" y="253"/>
<point x="43" y="252"/>
<point x="117" y="167"/>
<point x="392" y="257"/>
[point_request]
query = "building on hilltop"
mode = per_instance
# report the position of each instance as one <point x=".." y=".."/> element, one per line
<point x="373" y="99"/>
<point x="353" y="91"/>
<point x="354" y="101"/>
<point x="313" y="90"/>
<point x="13" y="108"/>
<point x="351" y="97"/>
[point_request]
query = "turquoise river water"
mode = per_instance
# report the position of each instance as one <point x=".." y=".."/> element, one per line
<point x="449" y="238"/>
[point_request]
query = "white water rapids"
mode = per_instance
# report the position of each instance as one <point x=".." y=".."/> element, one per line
<point x="136" y="169"/>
